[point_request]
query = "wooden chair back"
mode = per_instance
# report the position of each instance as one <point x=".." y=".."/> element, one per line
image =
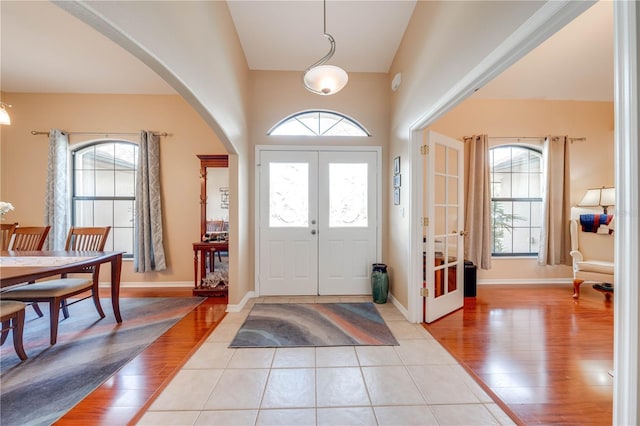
<point x="6" y="232"/>
<point x="87" y="238"/>
<point x="29" y="238"/>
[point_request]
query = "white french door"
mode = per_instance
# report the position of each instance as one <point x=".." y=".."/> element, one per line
<point x="318" y="221"/>
<point x="443" y="230"/>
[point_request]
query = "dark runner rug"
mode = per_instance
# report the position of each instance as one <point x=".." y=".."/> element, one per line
<point x="313" y="324"/>
<point x="89" y="350"/>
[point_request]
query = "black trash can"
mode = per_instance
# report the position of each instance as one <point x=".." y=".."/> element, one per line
<point x="469" y="279"/>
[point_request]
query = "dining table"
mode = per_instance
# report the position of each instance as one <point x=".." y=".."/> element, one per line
<point x="20" y="267"/>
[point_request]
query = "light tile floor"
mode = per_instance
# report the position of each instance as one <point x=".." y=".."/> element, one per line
<point x="415" y="383"/>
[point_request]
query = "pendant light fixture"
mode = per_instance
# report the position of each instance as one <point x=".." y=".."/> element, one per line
<point x="325" y="79"/>
<point x="4" y="114"/>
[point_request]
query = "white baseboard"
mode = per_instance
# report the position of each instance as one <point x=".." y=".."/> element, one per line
<point x="399" y="307"/>
<point x="544" y="281"/>
<point x="237" y="308"/>
<point x="149" y="284"/>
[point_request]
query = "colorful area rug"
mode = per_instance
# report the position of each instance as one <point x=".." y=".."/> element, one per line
<point x="89" y="350"/>
<point x="313" y="324"/>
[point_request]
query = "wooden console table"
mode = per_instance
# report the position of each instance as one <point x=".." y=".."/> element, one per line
<point x="203" y="262"/>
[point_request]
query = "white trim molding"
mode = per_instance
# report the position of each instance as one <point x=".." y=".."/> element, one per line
<point x="626" y="361"/>
<point x="237" y="308"/>
<point x="150" y="284"/>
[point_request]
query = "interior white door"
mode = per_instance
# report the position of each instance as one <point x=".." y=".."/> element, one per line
<point x="443" y="230"/>
<point x="348" y="221"/>
<point x="288" y="204"/>
<point x="318" y="222"/>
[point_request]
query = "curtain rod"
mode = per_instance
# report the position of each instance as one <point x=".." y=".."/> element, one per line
<point x="580" y="139"/>
<point x="36" y="132"/>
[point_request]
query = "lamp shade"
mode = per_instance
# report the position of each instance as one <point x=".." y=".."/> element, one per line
<point x="4" y="116"/>
<point x="599" y="197"/>
<point x="591" y="198"/>
<point x="325" y="79"/>
<point x="608" y="197"/>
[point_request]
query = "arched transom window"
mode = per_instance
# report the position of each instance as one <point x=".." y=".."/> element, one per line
<point x="318" y="123"/>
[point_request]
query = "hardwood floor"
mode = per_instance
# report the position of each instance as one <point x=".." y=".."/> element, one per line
<point x="119" y="400"/>
<point x="544" y="355"/>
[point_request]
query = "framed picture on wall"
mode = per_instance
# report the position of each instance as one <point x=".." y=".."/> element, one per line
<point x="397" y="183"/>
<point x="396" y="165"/>
<point x="396" y="196"/>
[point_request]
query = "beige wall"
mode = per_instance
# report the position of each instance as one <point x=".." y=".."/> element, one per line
<point x="441" y="45"/>
<point x="24" y="161"/>
<point x="194" y="47"/>
<point x="592" y="163"/>
<point x="276" y="95"/>
<point x="442" y="52"/>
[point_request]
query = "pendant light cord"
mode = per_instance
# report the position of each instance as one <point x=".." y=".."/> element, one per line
<point x="332" y="50"/>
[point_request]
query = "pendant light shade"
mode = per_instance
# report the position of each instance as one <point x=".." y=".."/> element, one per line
<point x="325" y="79"/>
<point x="4" y="114"/>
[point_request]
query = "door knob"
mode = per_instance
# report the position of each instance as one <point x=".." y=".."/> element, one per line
<point x="313" y="232"/>
<point x="464" y="233"/>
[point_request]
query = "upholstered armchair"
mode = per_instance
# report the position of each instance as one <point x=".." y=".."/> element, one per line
<point x="593" y="257"/>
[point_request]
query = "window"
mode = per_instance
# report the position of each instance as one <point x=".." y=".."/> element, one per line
<point x="516" y="200"/>
<point x="103" y="191"/>
<point x="318" y="123"/>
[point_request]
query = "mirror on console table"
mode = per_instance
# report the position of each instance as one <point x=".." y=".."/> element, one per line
<point x="211" y="252"/>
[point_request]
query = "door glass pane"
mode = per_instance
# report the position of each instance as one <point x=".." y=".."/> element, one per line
<point x="452" y="160"/>
<point x="440" y="224"/>
<point x="348" y="195"/>
<point x="452" y="190"/>
<point x="452" y="219"/>
<point x="452" y="248"/>
<point x="441" y="159"/>
<point x="438" y="276"/>
<point x="288" y="195"/>
<point x="440" y="189"/>
<point x="452" y="278"/>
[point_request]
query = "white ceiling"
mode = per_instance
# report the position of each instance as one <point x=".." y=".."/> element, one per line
<point x="71" y="57"/>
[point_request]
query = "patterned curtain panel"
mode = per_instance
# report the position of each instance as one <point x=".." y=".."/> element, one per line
<point x="57" y="210"/>
<point x="148" y="254"/>
<point x="556" y="209"/>
<point x="477" y="247"/>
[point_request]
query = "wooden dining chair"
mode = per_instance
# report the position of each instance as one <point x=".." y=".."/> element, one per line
<point x="87" y="238"/>
<point x="56" y="292"/>
<point x="6" y="232"/>
<point x="29" y="238"/>
<point x="84" y="239"/>
<point x="12" y="318"/>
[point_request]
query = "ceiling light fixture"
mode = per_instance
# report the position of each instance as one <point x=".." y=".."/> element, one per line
<point x="325" y="79"/>
<point x="4" y="114"/>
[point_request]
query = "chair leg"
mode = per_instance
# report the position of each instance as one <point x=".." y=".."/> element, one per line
<point x="18" y="330"/>
<point x="65" y="308"/>
<point x="576" y="288"/>
<point x="54" y="317"/>
<point x="5" y="331"/>
<point x="37" y="309"/>
<point x="96" y="301"/>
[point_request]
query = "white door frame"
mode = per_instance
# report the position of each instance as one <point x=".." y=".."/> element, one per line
<point x="258" y="151"/>
<point x="550" y="18"/>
